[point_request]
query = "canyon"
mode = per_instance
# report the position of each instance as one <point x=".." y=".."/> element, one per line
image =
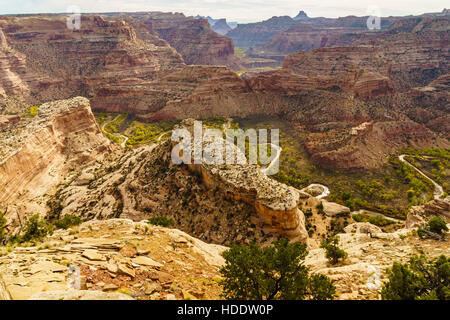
<point x="67" y="166"/>
<point x="139" y="63"/>
<point x="354" y="98"/>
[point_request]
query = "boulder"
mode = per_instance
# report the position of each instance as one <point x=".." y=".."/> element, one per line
<point x="128" y="251"/>
<point x="332" y="209"/>
<point x="126" y="271"/>
<point x="93" y="255"/>
<point x="414" y="220"/>
<point x="362" y="227"/>
<point x="146" y="261"/>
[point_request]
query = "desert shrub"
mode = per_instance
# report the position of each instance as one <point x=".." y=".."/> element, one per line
<point x="437" y="225"/>
<point x="320" y="208"/>
<point x="35" y="230"/>
<point x="274" y="272"/>
<point x="33" y="111"/>
<point x="68" y="221"/>
<point x="161" y="221"/>
<point x="420" y="279"/>
<point x="379" y="221"/>
<point x="333" y="253"/>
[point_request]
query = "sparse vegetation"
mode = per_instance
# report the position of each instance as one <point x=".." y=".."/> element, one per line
<point x="334" y="254"/>
<point x="68" y="221"/>
<point x="420" y="279"/>
<point x="33" y="111"/>
<point x="34" y="231"/>
<point x="274" y="272"/>
<point x="436" y="225"/>
<point x="161" y="221"/>
<point x="239" y="52"/>
<point x="379" y="221"/>
<point x="382" y="190"/>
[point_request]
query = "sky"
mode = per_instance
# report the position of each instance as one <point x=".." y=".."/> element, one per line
<point x="233" y="10"/>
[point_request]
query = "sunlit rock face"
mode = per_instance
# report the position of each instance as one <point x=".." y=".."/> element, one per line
<point x="36" y="156"/>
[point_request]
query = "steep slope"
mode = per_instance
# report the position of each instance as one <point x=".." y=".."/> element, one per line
<point x="192" y="38"/>
<point x="75" y="62"/>
<point x="36" y="156"/>
<point x="256" y="34"/>
<point x="219" y="204"/>
<point x="221" y="27"/>
<point x="116" y="259"/>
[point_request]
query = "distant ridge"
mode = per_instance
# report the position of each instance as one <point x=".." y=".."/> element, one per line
<point x="301" y="16"/>
<point x="221" y="26"/>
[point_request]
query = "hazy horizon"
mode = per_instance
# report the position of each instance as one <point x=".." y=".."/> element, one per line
<point x="243" y="11"/>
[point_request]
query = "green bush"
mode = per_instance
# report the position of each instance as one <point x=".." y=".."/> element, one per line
<point x="274" y="272"/>
<point x="68" y="221"/>
<point x="35" y="230"/>
<point x="333" y="253"/>
<point x="161" y="221"/>
<point x="437" y="225"/>
<point x="421" y="279"/>
<point x="320" y="208"/>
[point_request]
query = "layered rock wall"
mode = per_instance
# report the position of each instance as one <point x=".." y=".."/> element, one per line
<point x="35" y="158"/>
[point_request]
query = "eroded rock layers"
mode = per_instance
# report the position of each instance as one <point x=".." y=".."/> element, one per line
<point x="395" y="79"/>
<point x="35" y="157"/>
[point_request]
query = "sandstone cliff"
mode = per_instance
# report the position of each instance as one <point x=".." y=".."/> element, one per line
<point x="36" y="156"/>
<point x="352" y="69"/>
<point x="192" y="38"/>
<point x="182" y="93"/>
<point x="65" y="63"/>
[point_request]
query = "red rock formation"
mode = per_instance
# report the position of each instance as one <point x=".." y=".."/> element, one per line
<point x="256" y="34"/>
<point x="372" y="147"/>
<point x="192" y="38"/>
<point x="197" y="91"/>
<point x="12" y="64"/>
<point x="352" y="69"/>
<point x="75" y="62"/>
<point x="307" y="37"/>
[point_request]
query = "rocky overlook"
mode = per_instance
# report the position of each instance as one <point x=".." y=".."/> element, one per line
<point x="122" y="259"/>
<point x="364" y="124"/>
<point x="74" y="169"/>
<point x="117" y="259"/>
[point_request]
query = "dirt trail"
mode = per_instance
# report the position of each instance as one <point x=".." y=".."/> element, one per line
<point x="125" y="138"/>
<point x="439" y="190"/>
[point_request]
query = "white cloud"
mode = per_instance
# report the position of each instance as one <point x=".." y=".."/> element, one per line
<point x="233" y="10"/>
